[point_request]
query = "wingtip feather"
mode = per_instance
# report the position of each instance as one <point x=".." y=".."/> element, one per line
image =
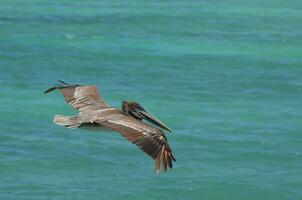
<point x="157" y="164"/>
<point x="164" y="159"/>
<point x="50" y="89"/>
<point x="64" y="83"/>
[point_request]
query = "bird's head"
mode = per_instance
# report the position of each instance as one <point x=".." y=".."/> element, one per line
<point x="137" y="111"/>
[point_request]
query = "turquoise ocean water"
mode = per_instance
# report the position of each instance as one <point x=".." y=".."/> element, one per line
<point x="224" y="75"/>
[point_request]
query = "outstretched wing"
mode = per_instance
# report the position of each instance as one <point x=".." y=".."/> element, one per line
<point x="83" y="98"/>
<point x="149" y="139"/>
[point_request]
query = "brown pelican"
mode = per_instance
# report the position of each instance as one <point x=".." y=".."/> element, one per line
<point x="128" y="122"/>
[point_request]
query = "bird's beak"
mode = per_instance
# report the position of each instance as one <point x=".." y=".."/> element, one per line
<point x="153" y="119"/>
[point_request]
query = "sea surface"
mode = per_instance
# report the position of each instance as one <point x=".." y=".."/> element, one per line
<point x="226" y="76"/>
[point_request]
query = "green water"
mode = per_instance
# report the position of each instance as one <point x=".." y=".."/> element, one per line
<point x="224" y="75"/>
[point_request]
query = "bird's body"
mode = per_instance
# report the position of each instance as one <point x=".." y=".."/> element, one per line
<point x="94" y="112"/>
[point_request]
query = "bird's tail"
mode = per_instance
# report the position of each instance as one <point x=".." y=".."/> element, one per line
<point x="67" y="121"/>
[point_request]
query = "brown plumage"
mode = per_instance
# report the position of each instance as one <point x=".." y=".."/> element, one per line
<point x="128" y="121"/>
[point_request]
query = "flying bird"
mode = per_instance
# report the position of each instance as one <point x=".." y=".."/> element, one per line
<point x="94" y="111"/>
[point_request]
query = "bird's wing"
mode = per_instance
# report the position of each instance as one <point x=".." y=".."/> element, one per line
<point x="83" y="98"/>
<point x="149" y="139"/>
